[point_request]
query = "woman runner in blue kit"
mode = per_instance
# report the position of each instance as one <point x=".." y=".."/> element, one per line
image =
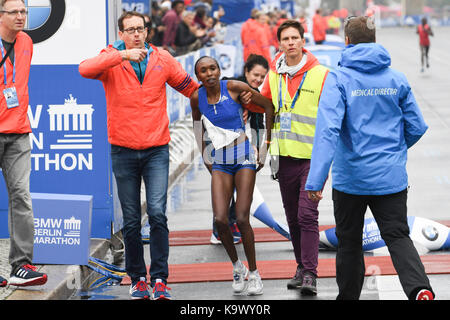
<point x="233" y="161"/>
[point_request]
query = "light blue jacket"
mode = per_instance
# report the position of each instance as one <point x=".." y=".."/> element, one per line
<point x="367" y="119"/>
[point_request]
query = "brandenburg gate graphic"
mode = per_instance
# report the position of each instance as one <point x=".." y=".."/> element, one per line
<point x="60" y="116"/>
<point x="72" y="223"/>
<point x="71" y="117"/>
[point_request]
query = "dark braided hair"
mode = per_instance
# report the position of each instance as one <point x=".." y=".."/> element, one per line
<point x="203" y="57"/>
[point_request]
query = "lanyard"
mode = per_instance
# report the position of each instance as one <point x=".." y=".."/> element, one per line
<point x="4" y="65"/>
<point x="297" y="94"/>
<point x="149" y="50"/>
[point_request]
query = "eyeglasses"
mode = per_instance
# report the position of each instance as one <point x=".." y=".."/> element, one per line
<point x="16" y="12"/>
<point x="133" y="30"/>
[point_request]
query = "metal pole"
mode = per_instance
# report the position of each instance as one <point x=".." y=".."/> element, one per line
<point x="115" y="10"/>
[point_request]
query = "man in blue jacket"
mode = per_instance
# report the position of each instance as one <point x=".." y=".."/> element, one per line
<point x="367" y="119"/>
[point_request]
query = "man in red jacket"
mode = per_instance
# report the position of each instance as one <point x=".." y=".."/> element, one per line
<point x="15" y="150"/>
<point x="134" y="75"/>
<point x="319" y="27"/>
<point x="171" y="20"/>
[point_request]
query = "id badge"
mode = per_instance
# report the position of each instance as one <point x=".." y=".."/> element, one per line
<point x="11" y="97"/>
<point x="285" y="122"/>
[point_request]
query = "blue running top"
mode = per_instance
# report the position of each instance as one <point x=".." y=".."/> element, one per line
<point x="225" y="114"/>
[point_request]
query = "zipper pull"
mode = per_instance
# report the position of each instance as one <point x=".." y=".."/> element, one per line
<point x="215" y="110"/>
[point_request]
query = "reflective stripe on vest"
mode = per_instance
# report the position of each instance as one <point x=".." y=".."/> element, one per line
<point x="298" y="142"/>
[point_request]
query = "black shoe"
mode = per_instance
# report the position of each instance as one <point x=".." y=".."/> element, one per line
<point x="309" y="284"/>
<point x="296" y="281"/>
<point x="27" y="276"/>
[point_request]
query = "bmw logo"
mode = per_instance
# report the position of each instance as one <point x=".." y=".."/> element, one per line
<point x="44" y="18"/>
<point x="225" y="61"/>
<point x="430" y="233"/>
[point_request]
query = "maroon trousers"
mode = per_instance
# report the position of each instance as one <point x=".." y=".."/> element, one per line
<point x="301" y="213"/>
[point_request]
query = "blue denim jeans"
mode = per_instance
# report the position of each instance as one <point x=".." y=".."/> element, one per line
<point x="130" y="167"/>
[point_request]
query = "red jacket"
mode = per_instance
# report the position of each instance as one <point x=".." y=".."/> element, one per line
<point x="15" y="120"/>
<point x="137" y="114"/>
<point x="319" y="27"/>
<point x="294" y="82"/>
<point x="255" y="39"/>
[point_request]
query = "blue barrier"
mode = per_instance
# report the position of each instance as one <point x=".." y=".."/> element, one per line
<point x="430" y="234"/>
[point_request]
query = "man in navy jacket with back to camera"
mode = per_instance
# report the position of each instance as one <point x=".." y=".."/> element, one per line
<point x="367" y="119"/>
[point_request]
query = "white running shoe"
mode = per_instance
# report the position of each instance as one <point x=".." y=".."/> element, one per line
<point x="239" y="276"/>
<point x="215" y="239"/>
<point x="255" y="285"/>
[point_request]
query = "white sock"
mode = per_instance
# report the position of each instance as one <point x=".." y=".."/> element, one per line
<point x="237" y="265"/>
<point x="255" y="273"/>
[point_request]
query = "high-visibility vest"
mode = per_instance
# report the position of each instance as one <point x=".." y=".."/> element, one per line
<point x="297" y="142"/>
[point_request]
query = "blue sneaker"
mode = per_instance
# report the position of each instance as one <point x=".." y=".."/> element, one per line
<point x="215" y="239"/>
<point x="236" y="233"/>
<point x="160" y="291"/>
<point x="27" y="276"/>
<point x="139" y="290"/>
<point x="3" y="282"/>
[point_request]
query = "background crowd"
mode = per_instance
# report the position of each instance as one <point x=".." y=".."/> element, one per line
<point x="184" y="26"/>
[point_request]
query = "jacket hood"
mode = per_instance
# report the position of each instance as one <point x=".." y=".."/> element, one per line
<point x="365" y="57"/>
<point x="311" y="61"/>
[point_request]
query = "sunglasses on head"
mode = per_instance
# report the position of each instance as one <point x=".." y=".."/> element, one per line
<point x="346" y="21"/>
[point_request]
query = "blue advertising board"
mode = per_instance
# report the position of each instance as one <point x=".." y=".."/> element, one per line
<point x="289" y="6"/>
<point x="328" y="56"/>
<point x="62" y="225"/>
<point x="70" y="150"/>
<point x="141" y="6"/>
<point x="235" y="10"/>
<point x="67" y="113"/>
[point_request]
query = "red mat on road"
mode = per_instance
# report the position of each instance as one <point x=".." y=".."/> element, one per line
<point x="201" y="237"/>
<point x="284" y="269"/>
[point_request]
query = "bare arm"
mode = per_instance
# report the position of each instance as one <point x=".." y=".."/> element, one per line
<point x="198" y="128"/>
<point x="236" y="88"/>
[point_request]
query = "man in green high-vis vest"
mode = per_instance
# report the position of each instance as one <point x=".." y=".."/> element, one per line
<point x="294" y="84"/>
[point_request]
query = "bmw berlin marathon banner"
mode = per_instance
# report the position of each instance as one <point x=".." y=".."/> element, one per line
<point x="71" y="179"/>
